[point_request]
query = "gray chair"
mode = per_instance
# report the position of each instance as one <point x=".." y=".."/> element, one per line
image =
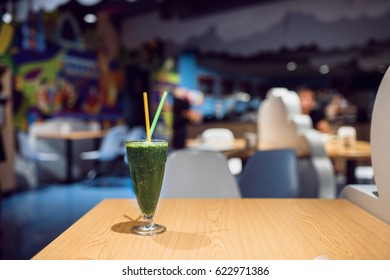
<point x="27" y="151"/>
<point x="198" y="174"/>
<point x="110" y="150"/>
<point x="271" y="174"/>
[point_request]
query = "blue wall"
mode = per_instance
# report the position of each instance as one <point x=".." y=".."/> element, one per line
<point x="215" y="104"/>
<point x="189" y="72"/>
<point x="187" y="69"/>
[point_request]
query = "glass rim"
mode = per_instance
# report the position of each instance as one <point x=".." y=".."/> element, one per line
<point x="144" y="141"/>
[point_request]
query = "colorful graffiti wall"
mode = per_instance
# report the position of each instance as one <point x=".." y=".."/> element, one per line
<point x="68" y="83"/>
<point x="58" y="73"/>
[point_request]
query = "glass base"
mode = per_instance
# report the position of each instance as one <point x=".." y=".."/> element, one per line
<point x="148" y="230"/>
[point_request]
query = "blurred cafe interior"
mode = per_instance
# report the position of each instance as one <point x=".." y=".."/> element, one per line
<point x="242" y="77"/>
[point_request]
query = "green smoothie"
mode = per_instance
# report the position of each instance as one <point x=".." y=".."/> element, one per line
<point x="147" y="164"/>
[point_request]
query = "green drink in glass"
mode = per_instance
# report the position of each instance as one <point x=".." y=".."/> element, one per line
<point x="147" y="165"/>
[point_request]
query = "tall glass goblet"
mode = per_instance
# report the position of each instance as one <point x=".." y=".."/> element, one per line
<point x="147" y="165"/>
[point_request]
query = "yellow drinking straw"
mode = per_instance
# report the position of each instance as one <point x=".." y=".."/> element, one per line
<point x="146" y="109"/>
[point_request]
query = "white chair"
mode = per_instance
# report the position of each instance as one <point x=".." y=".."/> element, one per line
<point x="281" y="125"/>
<point x="111" y="148"/>
<point x="280" y="122"/>
<point x="218" y="134"/>
<point x="28" y="151"/>
<point x="223" y="137"/>
<point x="198" y="174"/>
<point x="364" y="174"/>
<point x="376" y="198"/>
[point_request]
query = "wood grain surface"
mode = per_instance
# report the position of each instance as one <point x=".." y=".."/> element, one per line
<point x="218" y="229"/>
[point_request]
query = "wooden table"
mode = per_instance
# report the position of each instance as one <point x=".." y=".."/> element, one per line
<point x="69" y="137"/>
<point x="219" y="229"/>
<point x="360" y="151"/>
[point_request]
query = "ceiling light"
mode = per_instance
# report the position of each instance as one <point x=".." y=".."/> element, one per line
<point x="291" y="66"/>
<point x="6" y="18"/>
<point x="324" y="69"/>
<point x="90" y="18"/>
<point x="131" y="1"/>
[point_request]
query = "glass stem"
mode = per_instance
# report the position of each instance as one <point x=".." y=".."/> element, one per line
<point x="149" y="220"/>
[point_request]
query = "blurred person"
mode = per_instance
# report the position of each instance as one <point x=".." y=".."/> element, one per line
<point x="310" y="107"/>
<point x="341" y="110"/>
<point x="333" y="109"/>
<point x="182" y="115"/>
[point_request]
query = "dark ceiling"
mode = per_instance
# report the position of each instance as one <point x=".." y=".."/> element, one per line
<point x="265" y="63"/>
<point x="121" y="9"/>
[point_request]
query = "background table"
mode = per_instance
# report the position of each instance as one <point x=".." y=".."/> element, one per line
<point x="227" y="229"/>
<point x="360" y="151"/>
<point x="69" y="137"/>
